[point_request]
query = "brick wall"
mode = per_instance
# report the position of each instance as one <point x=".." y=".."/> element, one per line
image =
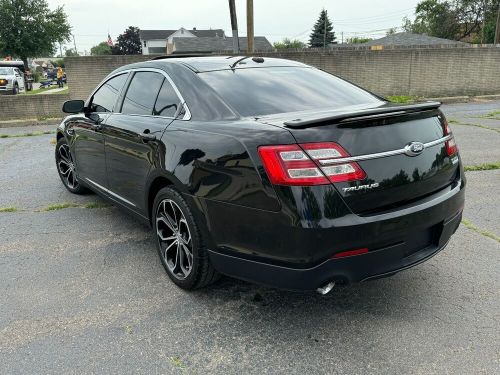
<point x="85" y="73"/>
<point x="32" y="106"/>
<point x="427" y="72"/>
<point x="424" y="72"/>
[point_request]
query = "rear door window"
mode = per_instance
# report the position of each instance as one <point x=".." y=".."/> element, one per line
<point x="142" y="93"/>
<point x="105" y="98"/>
<point x="167" y="102"/>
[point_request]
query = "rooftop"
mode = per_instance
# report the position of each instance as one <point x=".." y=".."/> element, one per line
<point x="409" y="39"/>
<point x="206" y="44"/>
<point x="164" y="34"/>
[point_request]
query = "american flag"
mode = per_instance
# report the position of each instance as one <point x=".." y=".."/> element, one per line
<point x="110" y="41"/>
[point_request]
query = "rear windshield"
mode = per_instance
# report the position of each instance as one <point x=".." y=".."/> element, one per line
<point x="265" y="91"/>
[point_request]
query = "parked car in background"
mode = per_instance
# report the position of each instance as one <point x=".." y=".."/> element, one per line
<point x="19" y="78"/>
<point x="267" y="170"/>
<point x="11" y="81"/>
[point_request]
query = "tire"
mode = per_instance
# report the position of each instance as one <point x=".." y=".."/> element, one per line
<point x="15" y="89"/>
<point x="178" y="235"/>
<point x="66" y="168"/>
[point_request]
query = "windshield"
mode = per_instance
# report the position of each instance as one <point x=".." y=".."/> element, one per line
<point x="265" y="91"/>
<point x="6" y="71"/>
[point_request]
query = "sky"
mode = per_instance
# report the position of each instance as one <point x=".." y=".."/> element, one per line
<point x="275" y="19"/>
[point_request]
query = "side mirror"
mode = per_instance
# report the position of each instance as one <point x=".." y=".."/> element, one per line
<point x="73" y="106"/>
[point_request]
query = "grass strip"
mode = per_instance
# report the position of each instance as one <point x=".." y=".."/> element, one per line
<point x="403" y="99"/>
<point x="43" y="91"/>
<point x="452" y="121"/>
<point x="8" y="209"/>
<point x="31" y="134"/>
<point x="466" y="223"/>
<point x="482" y="167"/>
<point x="62" y="206"/>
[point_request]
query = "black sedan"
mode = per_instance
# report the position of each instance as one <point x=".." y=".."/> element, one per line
<point x="267" y="170"/>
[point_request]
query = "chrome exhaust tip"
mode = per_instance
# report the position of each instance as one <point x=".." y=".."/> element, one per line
<point x="325" y="289"/>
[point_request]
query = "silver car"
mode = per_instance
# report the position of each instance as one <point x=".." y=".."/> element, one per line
<point x="11" y="81"/>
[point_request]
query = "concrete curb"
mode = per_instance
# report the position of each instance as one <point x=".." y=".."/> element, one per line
<point x="465" y="99"/>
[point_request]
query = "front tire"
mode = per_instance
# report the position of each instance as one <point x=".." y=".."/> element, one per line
<point x="67" y="169"/>
<point x="179" y="241"/>
<point x="15" y="89"/>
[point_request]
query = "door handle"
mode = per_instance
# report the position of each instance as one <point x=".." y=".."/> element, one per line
<point x="147" y="137"/>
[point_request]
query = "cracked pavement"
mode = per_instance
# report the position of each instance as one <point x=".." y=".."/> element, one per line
<point x="83" y="291"/>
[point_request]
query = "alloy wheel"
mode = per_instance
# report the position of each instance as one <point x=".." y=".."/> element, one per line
<point x="174" y="238"/>
<point x="66" y="167"/>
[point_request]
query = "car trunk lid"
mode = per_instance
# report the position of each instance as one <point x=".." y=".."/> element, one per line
<point x="405" y="152"/>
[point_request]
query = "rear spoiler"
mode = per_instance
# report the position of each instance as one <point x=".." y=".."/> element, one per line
<point x="364" y="114"/>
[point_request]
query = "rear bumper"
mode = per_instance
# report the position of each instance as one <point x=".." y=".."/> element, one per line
<point x="374" y="264"/>
<point x="295" y="252"/>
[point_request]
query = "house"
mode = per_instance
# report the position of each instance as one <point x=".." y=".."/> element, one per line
<point x="213" y="44"/>
<point x="157" y="41"/>
<point x="410" y="39"/>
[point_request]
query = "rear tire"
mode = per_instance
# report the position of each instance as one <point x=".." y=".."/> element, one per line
<point x="180" y="244"/>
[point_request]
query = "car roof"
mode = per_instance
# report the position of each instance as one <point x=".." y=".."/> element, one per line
<point x="201" y="64"/>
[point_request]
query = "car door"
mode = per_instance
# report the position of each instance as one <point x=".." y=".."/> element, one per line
<point x="20" y="79"/>
<point x="86" y="132"/>
<point x="133" y="136"/>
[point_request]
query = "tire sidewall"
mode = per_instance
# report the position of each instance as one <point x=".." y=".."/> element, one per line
<point x="169" y="193"/>
<point x="76" y="190"/>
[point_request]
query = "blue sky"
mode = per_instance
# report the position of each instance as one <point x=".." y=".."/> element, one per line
<point x="275" y="19"/>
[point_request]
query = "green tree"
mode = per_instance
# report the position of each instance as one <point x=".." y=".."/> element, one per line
<point x="29" y="28"/>
<point x="288" y="43"/>
<point x="358" y="40"/>
<point x="455" y="19"/>
<point x="128" y="43"/>
<point x="318" y="36"/>
<point x="101" y="49"/>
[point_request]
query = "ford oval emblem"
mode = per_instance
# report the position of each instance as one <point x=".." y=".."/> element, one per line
<point x="414" y="148"/>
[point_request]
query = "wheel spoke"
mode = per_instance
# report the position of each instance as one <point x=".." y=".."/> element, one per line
<point x="66" y="167"/>
<point x="174" y="238"/>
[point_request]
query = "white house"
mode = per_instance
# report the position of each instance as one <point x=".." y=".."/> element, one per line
<point x="161" y="41"/>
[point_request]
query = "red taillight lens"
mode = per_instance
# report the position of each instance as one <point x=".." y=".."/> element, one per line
<point x="350" y="253"/>
<point x="451" y="145"/>
<point x="300" y="164"/>
<point x="289" y="165"/>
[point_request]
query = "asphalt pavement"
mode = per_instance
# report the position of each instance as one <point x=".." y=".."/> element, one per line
<point x="82" y="289"/>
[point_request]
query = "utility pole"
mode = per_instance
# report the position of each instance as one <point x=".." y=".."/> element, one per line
<point x="234" y="26"/>
<point x="74" y="43"/>
<point x="250" y="39"/>
<point x="497" y="31"/>
<point x="324" y="32"/>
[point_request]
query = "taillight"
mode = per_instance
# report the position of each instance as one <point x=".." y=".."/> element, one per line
<point x="451" y="145"/>
<point x="300" y="164"/>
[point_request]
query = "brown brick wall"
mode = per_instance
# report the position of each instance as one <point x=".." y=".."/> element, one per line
<point x="85" y="73"/>
<point x="427" y="72"/>
<point x="31" y="106"/>
<point x="409" y="71"/>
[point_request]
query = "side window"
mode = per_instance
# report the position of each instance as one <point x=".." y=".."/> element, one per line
<point x="142" y="93"/>
<point x="167" y="102"/>
<point x="105" y="98"/>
